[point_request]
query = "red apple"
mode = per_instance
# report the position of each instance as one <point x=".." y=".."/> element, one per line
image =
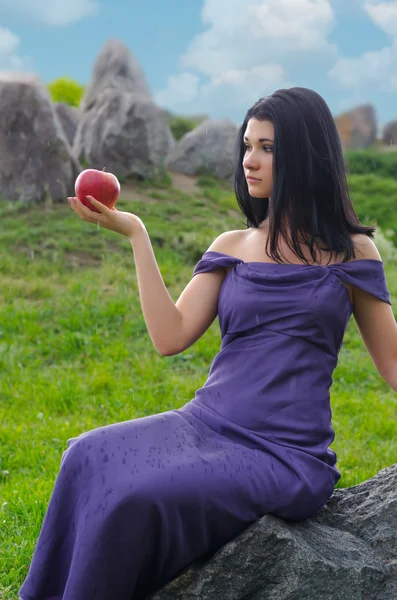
<point x="102" y="186"/>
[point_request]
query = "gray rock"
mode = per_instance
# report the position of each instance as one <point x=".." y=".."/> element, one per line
<point x="115" y="68"/>
<point x="120" y="127"/>
<point x="209" y="148"/>
<point x="126" y="135"/>
<point x="358" y="127"/>
<point x="346" y="551"/>
<point x="69" y="118"/>
<point x="36" y="158"/>
<point x="390" y="134"/>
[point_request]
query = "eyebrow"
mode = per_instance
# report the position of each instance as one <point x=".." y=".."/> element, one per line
<point x="260" y="139"/>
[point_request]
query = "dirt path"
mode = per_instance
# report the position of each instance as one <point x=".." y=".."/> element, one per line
<point x="184" y="183"/>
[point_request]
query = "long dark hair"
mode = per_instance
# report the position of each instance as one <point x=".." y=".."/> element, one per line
<point x="310" y="194"/>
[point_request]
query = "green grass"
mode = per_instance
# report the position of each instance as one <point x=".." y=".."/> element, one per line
<point x="75" y="353"/>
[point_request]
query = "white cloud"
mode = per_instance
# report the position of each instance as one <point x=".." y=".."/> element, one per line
<point x="244" y="50"/>
<point x="9" y="57"/>
<point x="348" y="8"/>
<point x="383" y="14"/>
<point x="242" y="87"/>
<point x="233" y="89"/>
<point x="9" y="42"/>
<point x="375" y="69"/>
<point x="241" y="34"/>
<point x="180" y="90"/>
<point x="56" y="12"/>
<point x="372" y="68"/>
<point x="303" y="23"/>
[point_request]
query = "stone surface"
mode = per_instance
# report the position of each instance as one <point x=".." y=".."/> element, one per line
<point x="208" y="149"/>
<point x="125" y="135"/>
<point x="389" y="136"/>
<point x="347" y="550"/>
<point x="358" y="127"/>
<point x="69" y="118"/>
<point x="120" y="127"/>
<point x="115" y="68"/>
<point x="36" y="159"/>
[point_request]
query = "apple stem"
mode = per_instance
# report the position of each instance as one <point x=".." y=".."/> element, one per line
<point x="104" y="169"/>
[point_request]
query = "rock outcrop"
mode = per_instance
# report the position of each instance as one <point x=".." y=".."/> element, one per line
<point x="358" y="127"/>
<point x="36" y="158"/>
<point x="208" y="149"/>
<point x="115" y="68"/>
<point x="69" y="118"/>
<point x="389" y="136"/>
<point x="347" y="550"/>
<point x="120" y="127"/>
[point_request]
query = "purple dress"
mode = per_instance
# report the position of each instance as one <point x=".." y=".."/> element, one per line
<point x="135" y="502"/>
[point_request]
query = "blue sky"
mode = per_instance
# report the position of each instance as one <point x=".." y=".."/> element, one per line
<point x="217" y="56"/>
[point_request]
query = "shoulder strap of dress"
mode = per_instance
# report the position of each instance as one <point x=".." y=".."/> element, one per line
<point x="214" y="260"/>
<point x="366" y="274"/>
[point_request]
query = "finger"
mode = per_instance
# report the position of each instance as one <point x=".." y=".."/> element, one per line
<point x="98" y="205"/>
<point x="73" y="200"/>
<point x="83" y="211"/>
<point x="72" y="203"/>
<point x="78" y="206"/>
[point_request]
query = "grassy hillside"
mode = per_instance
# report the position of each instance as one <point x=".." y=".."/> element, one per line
<point x="75" y="353"/>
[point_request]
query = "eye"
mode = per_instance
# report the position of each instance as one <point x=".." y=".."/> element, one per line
<point x="267" y="149"/>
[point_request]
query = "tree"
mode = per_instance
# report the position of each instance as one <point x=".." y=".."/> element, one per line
<point x="181" y="125"/>
<point x="66" y="90"/>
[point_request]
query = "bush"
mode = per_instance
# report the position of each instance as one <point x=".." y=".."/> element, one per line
<point x="181" y="125"/>
<point x="384" y="243"/>
<point x="66" y="90"/>
<point x="365" y="162"/>
<point x="375" y="201"/>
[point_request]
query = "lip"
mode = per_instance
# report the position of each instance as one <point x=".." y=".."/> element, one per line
<point x="253" y="179"/>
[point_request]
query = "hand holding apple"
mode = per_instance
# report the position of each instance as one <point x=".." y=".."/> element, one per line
<point x="97" y="192"/>
<point x="105" y="187"/>
<point x="110" y="218"/>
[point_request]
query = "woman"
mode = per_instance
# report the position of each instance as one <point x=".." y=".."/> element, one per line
<point x="136" y="502"/>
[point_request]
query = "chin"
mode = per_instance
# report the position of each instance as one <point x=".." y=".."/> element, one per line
<point x="256" y="193"/>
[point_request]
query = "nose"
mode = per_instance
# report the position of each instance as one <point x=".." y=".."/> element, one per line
<point x="251" y="162"/>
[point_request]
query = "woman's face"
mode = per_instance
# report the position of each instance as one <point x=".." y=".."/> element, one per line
<point x="258" y="157"/>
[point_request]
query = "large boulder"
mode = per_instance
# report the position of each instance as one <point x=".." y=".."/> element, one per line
<point x="115" y="68"/>
<point x="347" y="550"/>
<point x="69" y="118"/>
<point x="120" y="127"/>
<point x="36" y="159"/>
<point x="125" y="135"/>
<point x="390" y="134"/>
<point x="207" y="149"/>
<point x="358" y="127"/>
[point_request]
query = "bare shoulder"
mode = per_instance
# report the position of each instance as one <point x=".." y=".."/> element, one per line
<point x="226" y="241"/>
<point x="365" y="247"/>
